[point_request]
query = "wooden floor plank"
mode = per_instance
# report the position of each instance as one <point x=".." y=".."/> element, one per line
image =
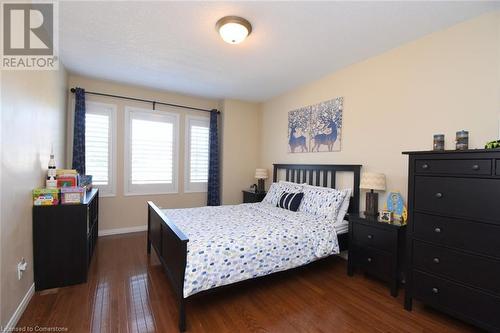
<point x="127" y="291"/>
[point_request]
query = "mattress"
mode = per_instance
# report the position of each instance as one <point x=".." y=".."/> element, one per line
<point x="228" y="244"/>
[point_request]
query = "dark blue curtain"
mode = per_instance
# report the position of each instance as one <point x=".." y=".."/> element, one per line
<point x="213" y="191"/>
<point x="79" y="132"/>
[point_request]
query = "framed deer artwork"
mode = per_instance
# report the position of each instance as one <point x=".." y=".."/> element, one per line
<point x="316" y="128"/>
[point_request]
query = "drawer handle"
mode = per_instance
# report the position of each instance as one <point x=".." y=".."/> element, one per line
<point x="435" y="290"/>
<point x="437" y="230"/>
<point x="436" y="260"/>
<point x="369" y="259"/>
<point x="425" y="166"/>
<point x="475" y="167"/>
<point x="370" y="236"/>
<point x="438" y="195"/>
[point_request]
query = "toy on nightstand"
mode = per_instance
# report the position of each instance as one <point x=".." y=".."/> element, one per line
<point x="396" y="205"/>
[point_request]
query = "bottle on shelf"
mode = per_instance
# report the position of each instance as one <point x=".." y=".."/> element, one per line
<point x="51" y="181"/>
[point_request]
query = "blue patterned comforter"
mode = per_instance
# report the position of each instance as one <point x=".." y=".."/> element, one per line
<point x="228" y="244"/>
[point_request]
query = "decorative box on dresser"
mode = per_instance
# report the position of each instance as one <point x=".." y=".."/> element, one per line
<point x="453" y="234"/>
<point x="64" y="238"/>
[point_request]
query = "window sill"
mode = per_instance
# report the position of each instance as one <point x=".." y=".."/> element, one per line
<point x="106" y="195"/>
<point x="133" y="194"/>
<point x="195" y="191"/>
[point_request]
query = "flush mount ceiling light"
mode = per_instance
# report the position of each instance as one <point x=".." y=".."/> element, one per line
<point x="233" y="29"/>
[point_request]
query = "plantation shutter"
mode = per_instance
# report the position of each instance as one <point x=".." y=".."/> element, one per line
<point x="97" y="147"/>
<point x="197" y="153"/>
<point x="152" y="151"/>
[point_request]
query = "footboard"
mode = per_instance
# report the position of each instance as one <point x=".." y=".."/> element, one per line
<point x="170" y="245"/>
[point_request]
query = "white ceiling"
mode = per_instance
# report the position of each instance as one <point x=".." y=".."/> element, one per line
<point x="174" y="45"/>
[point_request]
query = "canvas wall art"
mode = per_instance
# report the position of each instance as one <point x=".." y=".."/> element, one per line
<point x="316" y="128"/>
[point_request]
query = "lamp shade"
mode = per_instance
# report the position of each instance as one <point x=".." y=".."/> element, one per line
<point x="373" y="181"/>
<point x="261" y="173"/>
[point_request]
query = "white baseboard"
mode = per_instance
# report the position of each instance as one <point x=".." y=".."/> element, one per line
<point x="11" y="324"/>
<point x="108" y="232"/>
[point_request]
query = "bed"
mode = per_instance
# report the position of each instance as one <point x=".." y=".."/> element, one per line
<point x="204" y="248"/>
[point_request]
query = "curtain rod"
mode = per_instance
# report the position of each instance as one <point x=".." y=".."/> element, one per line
<point x="146" y="101"/>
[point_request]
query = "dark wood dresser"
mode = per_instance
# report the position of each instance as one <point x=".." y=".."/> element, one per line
<point x="453" y="234"/>
<point x="64" y="238"/>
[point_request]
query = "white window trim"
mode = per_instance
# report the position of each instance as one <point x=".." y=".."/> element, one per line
<point x="149" y="189"/>
<point x="195" y="187"/>
<point x="110" y="189"/>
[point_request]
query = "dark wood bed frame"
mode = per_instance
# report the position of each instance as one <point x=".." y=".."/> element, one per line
<point x="170" y="243"/>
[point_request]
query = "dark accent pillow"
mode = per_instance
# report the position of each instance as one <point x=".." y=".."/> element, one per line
<point x="290" y="201"/>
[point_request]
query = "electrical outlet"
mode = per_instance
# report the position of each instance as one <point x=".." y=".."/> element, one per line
<point x="21" y="268"/>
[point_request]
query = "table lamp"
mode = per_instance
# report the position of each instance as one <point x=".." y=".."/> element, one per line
<point x="261" y="175"/>
<point x="373" y="182"/>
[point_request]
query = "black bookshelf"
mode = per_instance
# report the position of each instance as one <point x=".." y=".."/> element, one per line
<point x="64" y="238"/>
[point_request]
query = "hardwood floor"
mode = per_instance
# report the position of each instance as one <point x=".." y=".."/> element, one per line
<point x="127" y="291"/>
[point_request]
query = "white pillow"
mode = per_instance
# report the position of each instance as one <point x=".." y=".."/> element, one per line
<point x="277" y="189"/>
<point x="322" y="201"/>
<point x="291" y="185"/>
<point x="344" y="207"/>
<point x="272" y="194"/>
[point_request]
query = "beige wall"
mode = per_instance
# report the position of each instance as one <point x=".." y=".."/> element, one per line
<point x="238" y="120"/>
<point x="240" y="148"/>
<point x="33" y="118"/>
<point x="442" y="83"/>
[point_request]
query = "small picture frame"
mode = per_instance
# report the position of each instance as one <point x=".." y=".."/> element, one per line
<point x="385" y="216"/>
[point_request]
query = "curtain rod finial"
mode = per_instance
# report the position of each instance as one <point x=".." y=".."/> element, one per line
<point x="72" y="90"/>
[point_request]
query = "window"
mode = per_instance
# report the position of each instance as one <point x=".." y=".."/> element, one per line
<point x="196" y="153"/>
<point x="151" y="139"/>
<point x="100" y="146"/>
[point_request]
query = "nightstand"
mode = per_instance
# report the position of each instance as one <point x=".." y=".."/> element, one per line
<point x="250" y="196"/>
<point x="377" y="248"/>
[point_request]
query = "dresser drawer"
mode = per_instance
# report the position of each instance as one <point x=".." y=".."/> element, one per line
<point x="453" y="167"/>
<point x="462" y="197"/>
<point x="497" y="162"/>
<point x="372" y="261"/>
<point x="468" y="235"/>
<point x="374" y="237"/>
<point x="466" y="268"/>
<point x="478" y="307"/>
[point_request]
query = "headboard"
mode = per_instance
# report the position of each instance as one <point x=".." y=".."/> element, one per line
<point x="323" y="175"/>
